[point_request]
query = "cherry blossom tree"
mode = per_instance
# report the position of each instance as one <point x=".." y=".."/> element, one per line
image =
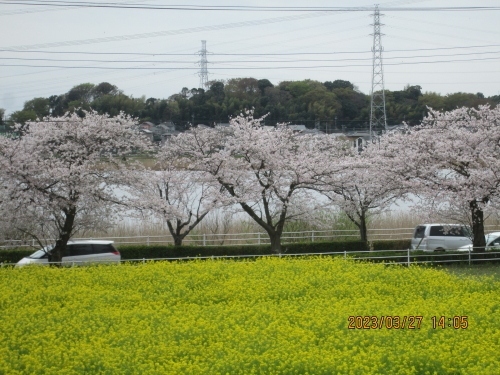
<point x="265" y="172"/>
<point x="361" y="190"/>
<point x="452" y="157"/>
<point x="58" y="177"/>
<point x="178" y="197"/>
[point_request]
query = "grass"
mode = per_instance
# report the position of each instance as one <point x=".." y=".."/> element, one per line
<point x="491" y="271"/>
<point x="219" y="224"/>
<point x="271" y="316"/>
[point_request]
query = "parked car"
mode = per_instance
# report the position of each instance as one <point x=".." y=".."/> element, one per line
<point x="440" y="237"/>
<point x="492" y="242"/>
<point x="77" y="253"/>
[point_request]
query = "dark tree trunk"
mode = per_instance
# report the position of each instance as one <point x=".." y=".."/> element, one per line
<point x="56" y="254"/>
<point x="178" y="240"/>
<point x="477" y="215"/>
<point x="275" y="238"/>
<point x="363" y="230"/>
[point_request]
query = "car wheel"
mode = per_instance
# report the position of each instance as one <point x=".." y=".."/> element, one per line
<point x="439" y="249"/>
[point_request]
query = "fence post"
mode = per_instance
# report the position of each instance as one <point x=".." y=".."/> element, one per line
<point x="258" y="237"/>
<point x="33" y="242"/>
<point x="204" y="239"/>
<point x="408" y="250"/>
<point x="143" y="260"/>
<point x="312" y="236"/>
<point x="148" y="241"/>
<point x="469" y="256"/>
<point x="345" y="254"/>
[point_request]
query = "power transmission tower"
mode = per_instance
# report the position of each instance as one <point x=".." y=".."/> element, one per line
<point x="203" y="65"/>
<point x="378" y="118"/>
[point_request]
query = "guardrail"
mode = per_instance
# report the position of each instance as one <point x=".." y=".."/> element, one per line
<point x="399" y="257"/>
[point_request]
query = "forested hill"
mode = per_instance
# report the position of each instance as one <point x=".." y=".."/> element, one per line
<point x="328" y="105"/>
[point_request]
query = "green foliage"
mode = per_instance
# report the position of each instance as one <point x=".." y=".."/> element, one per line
<point x="391" y="245"/>
<point x="14" y="255"/>
<point x="331" y="104"/>
<point x="151" y="252"/>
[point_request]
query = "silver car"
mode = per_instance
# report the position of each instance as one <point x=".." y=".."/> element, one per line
<point x="440" y="237"/>
<point x="77" y="253"/>
<point x="492" y="242"/>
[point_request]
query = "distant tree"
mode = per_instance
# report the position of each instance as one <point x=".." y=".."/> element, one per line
<point x="263" y="84"/>
<point x="432" y="100"/>
<point x="2" y="115"/>
<point x="32" y="109"/>
<point x="353" y="107"/>
<point x="21" y="117"/>
<point x="299" y="88"/>
<point x="495" y="99"/>
<point x="242" y="88"/>
<point x="216" y="91"/>
<point x="462" y="99"/>
<point x="114" y="104"/>
<point x="338" y="84"/>
<point x="104" y="88"/>
<point x="58" y="105"/>
<point x="83" y="93"/>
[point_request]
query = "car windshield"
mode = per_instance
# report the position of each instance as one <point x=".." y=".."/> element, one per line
<point x="41" y="253"/>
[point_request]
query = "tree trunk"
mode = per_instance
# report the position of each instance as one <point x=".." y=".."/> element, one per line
<point x="363" y="230"/>
<point x="477" y="215"/>
<point x="56" y="254"/>
<point x="178" y="240"/>
<point x="275" y="238"/>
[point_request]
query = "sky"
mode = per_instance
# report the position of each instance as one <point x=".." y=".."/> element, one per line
<point x="151" y="47"/>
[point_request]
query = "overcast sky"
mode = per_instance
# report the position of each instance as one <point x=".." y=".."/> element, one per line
<point x="445" y="50"/>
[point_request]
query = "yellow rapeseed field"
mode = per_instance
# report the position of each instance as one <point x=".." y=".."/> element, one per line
<point x="270" y="316"/>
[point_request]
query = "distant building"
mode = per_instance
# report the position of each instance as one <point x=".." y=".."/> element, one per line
<point x="146" y="125"/>
<point x="147" y="133"/>
<point x="297" y="128"/>
<point x="164" y="131"/>
<point x="311" y="132"/>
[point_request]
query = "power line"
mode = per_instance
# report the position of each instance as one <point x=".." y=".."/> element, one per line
<point x="244" y="67"/>
<point x="169" y="32"/>
<point x="241" y="61"/>
<point x="245" y="54"/>
<point x="246" y="8"/>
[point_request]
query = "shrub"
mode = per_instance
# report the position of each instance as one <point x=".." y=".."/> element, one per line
<point x="14" y="255"/>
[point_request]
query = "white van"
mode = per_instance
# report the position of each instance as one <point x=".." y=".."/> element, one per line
<point x="77" y="253"/>
<point x="440" y="237"/>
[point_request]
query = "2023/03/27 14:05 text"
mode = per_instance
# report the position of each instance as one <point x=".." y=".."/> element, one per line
<point x="405" y="322"/>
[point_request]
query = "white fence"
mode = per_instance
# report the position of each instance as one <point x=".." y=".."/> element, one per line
<point x="389" y="257"/>
<point x="255" y="238"/>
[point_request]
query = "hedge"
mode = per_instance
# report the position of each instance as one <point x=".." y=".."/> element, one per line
<point x="158" y="251"/>
<point x="391" y="245"/>
<point x="14" y="255"/>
